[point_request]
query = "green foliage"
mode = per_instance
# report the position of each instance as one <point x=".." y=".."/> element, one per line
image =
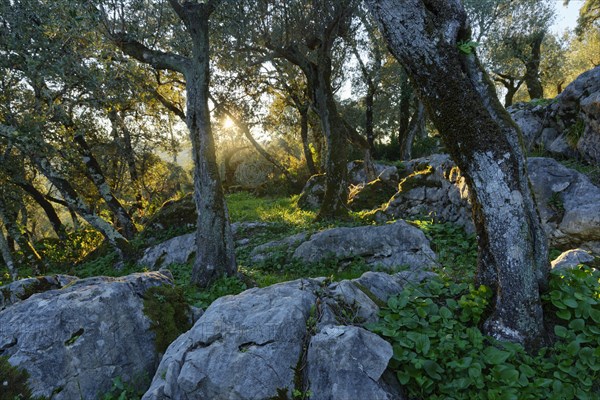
<point x="121" y="391"/>
<point x="168" y="310"/>
<point x="64" y="253"/>
<point x="575" y="132"/>
<point x="467" y="46"/>
<point x="13" y="381"/>
<point x="457" y="251"/>
<point x="440" y="352"/>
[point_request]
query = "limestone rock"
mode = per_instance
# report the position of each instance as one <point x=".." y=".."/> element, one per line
<point x="24" y="288"/>
<point x="571" y="259"/>
<point x="371" y="195"/>
<point x="348" y="362"/>
<point x="243" y="347"/>
<point x="182" y="249"/>
<point x="313" y="192"/>
<point x="76" y="340"/>
<point x="391" y="245"/>
<point x="568" y="125"/>
<point x="266" y="343"/>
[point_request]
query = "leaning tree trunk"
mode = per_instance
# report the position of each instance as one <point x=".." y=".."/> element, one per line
<point x="41" y="200"/>
<point x="95" y="174"/>
<point x="7" y="257"/>
<point x="215" y="253"/>
<point x="485" y="143"/>
<point x="532" y="69"/>
<point x="9" y="219"/>
<point x="416" y="125"/>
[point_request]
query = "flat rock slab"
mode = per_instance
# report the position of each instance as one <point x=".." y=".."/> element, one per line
<point x="74" y="341"/>
<point x="391" y="245"/>
<point x="20" y="290"/>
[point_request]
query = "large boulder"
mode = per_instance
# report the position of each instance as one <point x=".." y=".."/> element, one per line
<point x="287" y="338"/>
<point x="22" y="289"/>
<point x="313" y="192"/>
<point x="371" y="195"/>
<point x="390" y="245"/>
<point x="568" y="202"/>
<point x="179" y="213"/>
<point x="569" y="124"/>
<point x="75" y="341"/>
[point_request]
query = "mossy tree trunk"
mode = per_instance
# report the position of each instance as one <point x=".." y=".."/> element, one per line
<point x="215" y="253"/>
<point x="7" y="257"/>
<point x="485" y="143"/>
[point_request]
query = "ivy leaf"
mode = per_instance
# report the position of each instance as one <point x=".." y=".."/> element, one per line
<point x="561" y="331"/>
<point x="495" y="356"/>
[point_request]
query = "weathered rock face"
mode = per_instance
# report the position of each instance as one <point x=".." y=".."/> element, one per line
<point x="572" y="258"/>
<point x="371" y="195"/>
<point x="567" y="200"/>
<point x="569" y="125"/>
<point x="266" y="343"/>
<point x="390" y="245"/>
<point x="433" y="188"/>
<point x="569" y="203"/>
<point x="313" y="192"/>
<point x="179" y="213"/>
<point x="76" y="340"/>
<point x="24" y="288"/>
<point x="358" y="176"/>
<point x="397" y="244"/>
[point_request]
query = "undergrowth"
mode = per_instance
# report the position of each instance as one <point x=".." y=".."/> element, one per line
<point x="441" y="353"/>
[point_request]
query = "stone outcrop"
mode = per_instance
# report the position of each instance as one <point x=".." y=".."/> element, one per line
<point x="567" y="200"/>
<point x="572" y="258"/>
<point x="390" y="245"/>
<point x="312" y="193"/>
<point x="290" y="337"/>
<point x="74" y="341"/>
<point x="22" y="289"/>
<point x="568" y="125"/>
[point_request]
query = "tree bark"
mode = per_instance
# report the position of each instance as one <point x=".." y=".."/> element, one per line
<point x="485" y="143"/>
<point x="95" y="174"/>
<point x="532" y="68"/>
<point x="310" y="162"/>
<point x="39" y="198"/>
<point x="416" y="125"/>
<point x="215" y="253"/>
<point x="9" y="219"/>
<point x="7" y="257"/>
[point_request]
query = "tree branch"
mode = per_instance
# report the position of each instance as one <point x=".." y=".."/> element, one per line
<point x="157" y="59"/>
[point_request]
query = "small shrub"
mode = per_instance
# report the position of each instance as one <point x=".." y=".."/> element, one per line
<point x="13" y="382"/>
<point x="168" y="310"/>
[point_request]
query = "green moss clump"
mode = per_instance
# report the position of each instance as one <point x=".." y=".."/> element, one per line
<point x="13" y="382"/>
<point x="373" y="195"/>
<point x="168" y="310"/>
<point x="40" y="285"/>
<point x="418" y="179"/>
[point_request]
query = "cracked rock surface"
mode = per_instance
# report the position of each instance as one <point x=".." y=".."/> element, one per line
<point x="74" y="341"/>
<point x="267" y="343"/>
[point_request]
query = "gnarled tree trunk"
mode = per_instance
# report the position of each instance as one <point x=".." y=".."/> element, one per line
<point x="485" y="143"/>
<point x="7" y="257"/>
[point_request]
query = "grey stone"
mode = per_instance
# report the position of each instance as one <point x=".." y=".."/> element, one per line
<point x="312" y="193"/>
<point x="243" y="347"/>
<point x="391" y="245"/>
<point x="573" y="113"/>
<point x="286" y="245"/>
<point x="21" y="289"/>
<point x="348" y="362"/>
<point x="178" y="250"/>
<point x="571" y="259"/>
<point x="76" y="340"/>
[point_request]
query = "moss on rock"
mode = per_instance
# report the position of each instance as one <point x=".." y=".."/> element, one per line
<point x="168" y="312"/>
<point x="13" y="382"/>
<point x="372" y="195"/>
